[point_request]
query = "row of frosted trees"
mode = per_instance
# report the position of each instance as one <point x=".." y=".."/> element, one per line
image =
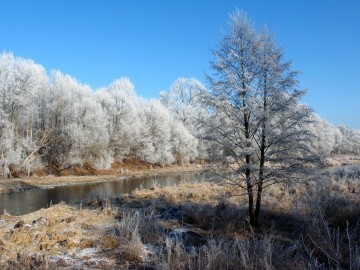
<point x="57" y="121"/>
<point x="330" y="139"/>
<point x="185" y="101"/>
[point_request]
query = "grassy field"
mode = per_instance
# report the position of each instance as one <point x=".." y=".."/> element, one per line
<point x="309" y="225"/>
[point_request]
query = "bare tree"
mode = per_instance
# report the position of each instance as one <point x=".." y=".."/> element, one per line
<point x="258" y="126"/>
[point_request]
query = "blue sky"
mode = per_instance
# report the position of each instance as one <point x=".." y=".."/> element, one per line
<point x="155" y="42"/>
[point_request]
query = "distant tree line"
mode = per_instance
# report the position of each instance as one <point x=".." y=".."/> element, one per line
<point x="54" y="120"/>
<point x="57" y="121"/>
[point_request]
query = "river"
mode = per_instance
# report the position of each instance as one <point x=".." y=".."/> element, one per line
<point x="21" y="203"/>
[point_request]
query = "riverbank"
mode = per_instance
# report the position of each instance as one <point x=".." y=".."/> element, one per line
<point x="192" y="226"/>
<point x="342" y="160"/>
<point x="128" y="168"/>
<point x="50" y="181"/>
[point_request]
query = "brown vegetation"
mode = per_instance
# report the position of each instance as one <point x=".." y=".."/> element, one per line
<point x="342" y="160"/>
<point x="125" y="167"/>
<point x="310" y="225"/>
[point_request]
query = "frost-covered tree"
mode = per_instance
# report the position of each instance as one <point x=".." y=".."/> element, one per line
<point x="330" y="139"/>
<point x="258" y="126"/>
<point x="282" y="132"/>
<point x="232" y="106"/>
<point x="61" y="122"/>
<point x="183" y="101"/>
<point x="78" y="125"/>
<point x="159" y="125"/>
<point x="91" y="137"/>
<point x="184" y="144"/>
<point x="122" y="106"/>
<point x="10" y="153"/>
<point x="21" y="84"/>
<point x="143" y="129"/>
<point x="350" y="143"/>
<point x="327" y="138"/>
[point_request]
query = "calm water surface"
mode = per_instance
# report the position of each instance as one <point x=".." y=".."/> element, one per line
<point x="21" y="203"/>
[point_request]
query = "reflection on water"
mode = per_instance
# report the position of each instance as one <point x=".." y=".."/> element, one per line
<point x="28" y="201"/>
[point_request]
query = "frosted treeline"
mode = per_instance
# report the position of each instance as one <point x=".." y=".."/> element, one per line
<point x="54" y="120"/>
<point x="329" y="139"/>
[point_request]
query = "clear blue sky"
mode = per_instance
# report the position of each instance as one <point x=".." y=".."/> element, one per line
<point x="155" y="42"/>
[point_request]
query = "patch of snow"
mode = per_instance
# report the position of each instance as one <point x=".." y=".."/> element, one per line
<point x="178" y="234"/>
<point x="152" y="249"/>
<point x="87" y="252"/>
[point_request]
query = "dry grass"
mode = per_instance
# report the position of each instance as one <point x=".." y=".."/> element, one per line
<point x="56" y="231"/>
<point x="341" y="160"/>
<point x="204" y="192"/>
<point x="314" y="225"/>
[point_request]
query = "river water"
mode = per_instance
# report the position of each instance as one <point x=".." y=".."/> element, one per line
<point x="21" y="203"/>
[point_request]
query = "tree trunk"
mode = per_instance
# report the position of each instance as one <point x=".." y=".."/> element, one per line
<point x="252" y="216"/>
<point x="262" y="150"/>
<point x="261" y="173"/>
<point x="258" y="199"/>
<point x="253" y="221"/>
<point x="248" y="177"/>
